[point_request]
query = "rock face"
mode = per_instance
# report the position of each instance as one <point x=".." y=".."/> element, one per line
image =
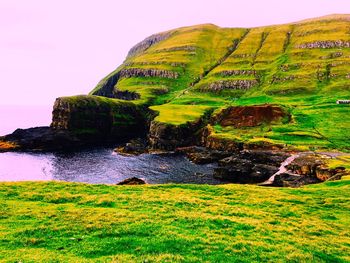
<point x="202" y="155"/>
<point x="240" y="84"/>
<point x="140" y="72"/>
<point x="250" y="116"/>
<point x="168" y="137"/>
<point x="219" y="144"/>
<point x="106" y="86"/>
<point x="133" y="147"/>
<point x="249" y="167"/>
<point x="226" y="73"/>
<point x="94" y="115"/>
<point x="307" y="169"/>
<point x="290" y="180"/>
<point x="325" y="44"/>
<point x="148" y="42"/>
<point x="314" y="166"/>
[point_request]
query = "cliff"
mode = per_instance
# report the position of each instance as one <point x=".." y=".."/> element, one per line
<point x="275" y="86"/>
<point x="302" y="67"/>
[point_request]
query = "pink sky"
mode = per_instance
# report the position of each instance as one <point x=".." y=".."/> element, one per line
<point x="64" y="47"/>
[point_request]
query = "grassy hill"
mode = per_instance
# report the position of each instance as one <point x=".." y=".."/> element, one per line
<point x="65" y="222"/>
<point x="304" y="66"/>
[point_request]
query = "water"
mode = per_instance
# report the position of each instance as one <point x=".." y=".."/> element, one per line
<point x="102" y="166"/>
<point x="282" y="169"/>
<point x="97" y="166"/>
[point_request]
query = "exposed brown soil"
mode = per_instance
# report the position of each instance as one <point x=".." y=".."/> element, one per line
<point x="250" y="116"/>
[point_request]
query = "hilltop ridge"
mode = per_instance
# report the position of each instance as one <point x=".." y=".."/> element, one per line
<point x="303" y="66"/>
<point x="179" y="81"/>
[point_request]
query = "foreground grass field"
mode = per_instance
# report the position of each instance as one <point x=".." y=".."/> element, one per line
<point x="65" y="222"/>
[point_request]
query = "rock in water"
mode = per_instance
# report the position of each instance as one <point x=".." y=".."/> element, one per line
<point x="132" y="181"/>
<point x="133" y="147"/>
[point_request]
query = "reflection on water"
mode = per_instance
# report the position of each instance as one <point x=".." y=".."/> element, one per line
<point x="102" y="166"/>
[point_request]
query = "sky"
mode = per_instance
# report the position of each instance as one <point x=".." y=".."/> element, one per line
<point x="64" y="47"/>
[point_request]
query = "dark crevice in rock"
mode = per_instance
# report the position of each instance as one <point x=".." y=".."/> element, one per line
<point x="287" y="40"/>
<point x="126" y="95"/>
<point x="107" y="88"/>
<point x="262" y="41"/>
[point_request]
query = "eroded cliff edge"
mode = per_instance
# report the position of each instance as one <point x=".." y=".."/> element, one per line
<point x="81" y="121"/>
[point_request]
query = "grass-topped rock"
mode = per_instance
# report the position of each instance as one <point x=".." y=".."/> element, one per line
<point x="95" y="114"/>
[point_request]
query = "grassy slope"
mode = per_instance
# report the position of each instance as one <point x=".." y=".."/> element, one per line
<point x="320" y="77"/>
<point x="51" y="222"/>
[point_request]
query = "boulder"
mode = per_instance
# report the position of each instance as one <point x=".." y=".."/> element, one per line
<point x="292" y="180"/>
<point x="238" y="170"/>
<point x="202" y="155"/>
<point x="132" y="181"/>
<point x="133" y="147"/>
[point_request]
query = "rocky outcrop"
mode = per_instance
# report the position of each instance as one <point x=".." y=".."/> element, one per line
<point x="288" y="67"/>
<point x="221" y="144"/>
<point x="133" y="147"/>
<point x="106" y="86"/>
<point x="132" y="181"/>
<point x="141" y="72"/>
<point x="147" y="43"/>
<point x="292" y="180"/>
<point x="315" y="166"/>
<point x="165" y="136"/>
<point x="250" y="116"/>
<point x="42" y="139"/>
<point x="179" y="48"/>
<point x="325" y="44"/>
<point x="281" y="79"/>
<point x="305" y="168"/>
<point x="237" y="72"/>
<point x="239" y="84"/>
<point x="81" y="121"/>
<point x="249" y="166"/>
<point x="202" y="155"/>
<point x="98" y="116"/>
<point x="143" y="63"/>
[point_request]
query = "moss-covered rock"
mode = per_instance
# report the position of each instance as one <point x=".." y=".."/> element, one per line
<point x="99" y="116"/>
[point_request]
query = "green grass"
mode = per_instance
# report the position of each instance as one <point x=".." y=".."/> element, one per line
<point x="70" y="222"/>
<point x="307" y="80"/>
<point x="179" y="114"/>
